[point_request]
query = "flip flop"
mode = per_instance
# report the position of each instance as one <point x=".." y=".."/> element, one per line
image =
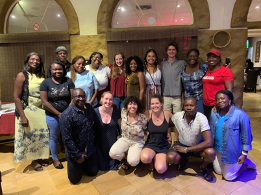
<point x="35" y="167"/>
<point x="207" y="175"/>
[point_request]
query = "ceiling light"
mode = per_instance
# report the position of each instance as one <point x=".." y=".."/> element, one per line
<point x="117" y="23"/>
<point x="257" y="7"/>
<point x="122" y="9"/>
<point x="58" y="15"/>
<point x="178" y="6"/>
<point x="175" y="20"/>
<point x="13" y="16"/>
<point x="20" y="2"/>
<point x="182" y="19"/>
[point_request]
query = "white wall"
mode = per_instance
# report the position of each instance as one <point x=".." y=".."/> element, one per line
<point x="253" y="44"/>
<point x="87" y="11"/>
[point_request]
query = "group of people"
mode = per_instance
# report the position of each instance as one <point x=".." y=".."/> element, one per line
<point x="104" y="112"/>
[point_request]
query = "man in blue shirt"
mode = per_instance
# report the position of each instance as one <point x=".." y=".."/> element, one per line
<point x="76" y="124"/>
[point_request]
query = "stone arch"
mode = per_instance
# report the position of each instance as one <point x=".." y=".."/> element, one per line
<point x="200" y="10"/>
<point x="66" y="5"/>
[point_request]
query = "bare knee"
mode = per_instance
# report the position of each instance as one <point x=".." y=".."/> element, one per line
<point x="146" y="158"/>
<point x="173" y="158"/>
<point x="161" y="168"/>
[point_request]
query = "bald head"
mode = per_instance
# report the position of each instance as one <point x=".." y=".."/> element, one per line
<point x="190" y="106"/>
<point x="79" y="98"/>
<point x="77" y="90"/>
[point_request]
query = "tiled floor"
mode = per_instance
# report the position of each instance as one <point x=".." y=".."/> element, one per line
<point x="21" y="179"/>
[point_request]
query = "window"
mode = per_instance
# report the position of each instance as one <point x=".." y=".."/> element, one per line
<point x="145" y="13"/>
<point x="29" y="16"/>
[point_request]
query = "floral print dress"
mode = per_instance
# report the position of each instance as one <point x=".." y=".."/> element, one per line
<point x="32" y="142"/>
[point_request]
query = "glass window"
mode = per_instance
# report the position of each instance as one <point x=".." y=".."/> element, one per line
<point x="36" y="16"/>
<point x="144" y="13"/>
<point x="254" y="13"/>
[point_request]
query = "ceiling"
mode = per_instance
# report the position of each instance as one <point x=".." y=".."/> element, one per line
<point x="37" y="16"/>
<point x="254" y="13"/>
<point x="133" y="13"/>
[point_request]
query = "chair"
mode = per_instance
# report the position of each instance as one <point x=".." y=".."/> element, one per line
<point x="251" y="79"/>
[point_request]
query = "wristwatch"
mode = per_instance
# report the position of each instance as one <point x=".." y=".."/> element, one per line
<point x="185" y="149"/>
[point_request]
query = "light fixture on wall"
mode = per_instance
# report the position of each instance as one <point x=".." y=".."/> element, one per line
<point x="151" y="20"/>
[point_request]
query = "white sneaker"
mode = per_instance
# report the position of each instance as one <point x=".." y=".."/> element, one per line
<point x="250" y="164"/>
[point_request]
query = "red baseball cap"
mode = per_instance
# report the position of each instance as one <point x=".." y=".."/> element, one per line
<point x="215" y="52"/>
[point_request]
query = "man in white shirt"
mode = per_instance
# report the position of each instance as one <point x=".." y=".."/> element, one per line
<point x="190" y="126"/>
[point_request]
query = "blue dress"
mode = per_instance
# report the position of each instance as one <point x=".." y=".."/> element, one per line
<point x="105" y="137"/>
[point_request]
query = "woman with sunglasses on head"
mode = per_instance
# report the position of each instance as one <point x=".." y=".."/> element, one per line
<point x="231" y="131"/>
<point x="84" y="79"/>
<point x="152" y="75"/>
<point x="101" y="72"/>
<point x="31" y="131"/>
<point x="105" y="126"/>
<point x="56" y="93"/>
<point x="117" y="82"/>
<point x="135" y="79"/>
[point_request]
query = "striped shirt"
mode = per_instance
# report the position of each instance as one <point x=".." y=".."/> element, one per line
<point x="190" y="134"/>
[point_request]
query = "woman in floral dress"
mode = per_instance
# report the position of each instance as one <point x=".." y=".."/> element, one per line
<point x="31" y="132"/>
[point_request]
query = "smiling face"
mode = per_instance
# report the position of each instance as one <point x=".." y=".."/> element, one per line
<point x="107" y="100"/>
<point x="34" y="62"/>
<point x="79" y="98"/>
<point x="96" y="59"/>
<point x="79" y="65"/>
<point x="190" y="106"/>
<point x="213" y="60"/>
<point x="132" y="107"/>
<point x="155" y="105"/>
<point x="119" y="60"/>
<point x="133" y="66"/>
<point x="223" y="101"/>
<point x="62" y="56"/>
<point x="171" y="51"/>
<point x="193" y="58"/>
<point x="56" y="70"/>
<point x="151" y="58"/>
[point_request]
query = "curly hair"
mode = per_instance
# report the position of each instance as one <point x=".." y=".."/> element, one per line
<point x="139" y="63"/>
<point x="72" y="69"/>
<point x="116" y="70"/>
<point x="93" y="54"/>
<point x="133" y="99"/>
<point x="39" y="71"/>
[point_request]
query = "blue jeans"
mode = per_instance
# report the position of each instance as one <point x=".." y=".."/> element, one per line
<point x="54" y="128"/>
<point x="119" y="102"/>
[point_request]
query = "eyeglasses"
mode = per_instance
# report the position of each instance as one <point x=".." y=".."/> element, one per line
<point x="79" y="97"/>
<point x="97" y="58"/>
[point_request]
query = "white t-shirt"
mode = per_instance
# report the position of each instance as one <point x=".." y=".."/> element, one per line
<point x="155" y="76"/>
<point x="190" y="134"/>
<point x="101" y="75"/>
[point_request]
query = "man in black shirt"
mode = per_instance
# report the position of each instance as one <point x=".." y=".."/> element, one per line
<point x="76" y="124"/>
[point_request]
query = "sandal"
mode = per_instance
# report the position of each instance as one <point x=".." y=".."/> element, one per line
<point x="125" y="165"/>
<point x="182" y="164"/>
<point x="207" y="175"/>
<point x="35" y="167"/>
<point x="43" y="163"/>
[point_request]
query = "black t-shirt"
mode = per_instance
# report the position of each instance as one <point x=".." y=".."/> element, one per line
<point x="59" y="95"/>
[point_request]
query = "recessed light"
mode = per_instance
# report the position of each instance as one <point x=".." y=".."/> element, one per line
<point x="13" y="16"/>
<point x="122" y="9"/>
<point x="176" y="20"/>
<point x="117" y="23"/>
<point x="257" y="7"/>
<point x="58" y="15"/>
<point x="20" y="2"/>
<point x="178" y="6"/>
<point x="182" y="19"/>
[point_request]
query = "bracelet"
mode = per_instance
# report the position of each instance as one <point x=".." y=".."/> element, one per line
<point x="244" y="153"/>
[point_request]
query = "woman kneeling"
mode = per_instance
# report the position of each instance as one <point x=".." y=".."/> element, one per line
<point x="132" y="123"/>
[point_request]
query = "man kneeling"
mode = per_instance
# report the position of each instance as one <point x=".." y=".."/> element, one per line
<point x="76" y="124"/>
<point x="190" y="126"/>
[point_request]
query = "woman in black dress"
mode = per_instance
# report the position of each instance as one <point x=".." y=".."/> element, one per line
<point x="105" y="126"/>
<point x="157" y="143"/>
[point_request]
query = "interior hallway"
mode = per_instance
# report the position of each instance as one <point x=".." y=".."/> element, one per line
<point x="136" y="181"/>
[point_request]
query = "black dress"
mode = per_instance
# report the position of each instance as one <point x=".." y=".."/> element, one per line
<point x="105" y="137"/>
<point x="157" y="139"/>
